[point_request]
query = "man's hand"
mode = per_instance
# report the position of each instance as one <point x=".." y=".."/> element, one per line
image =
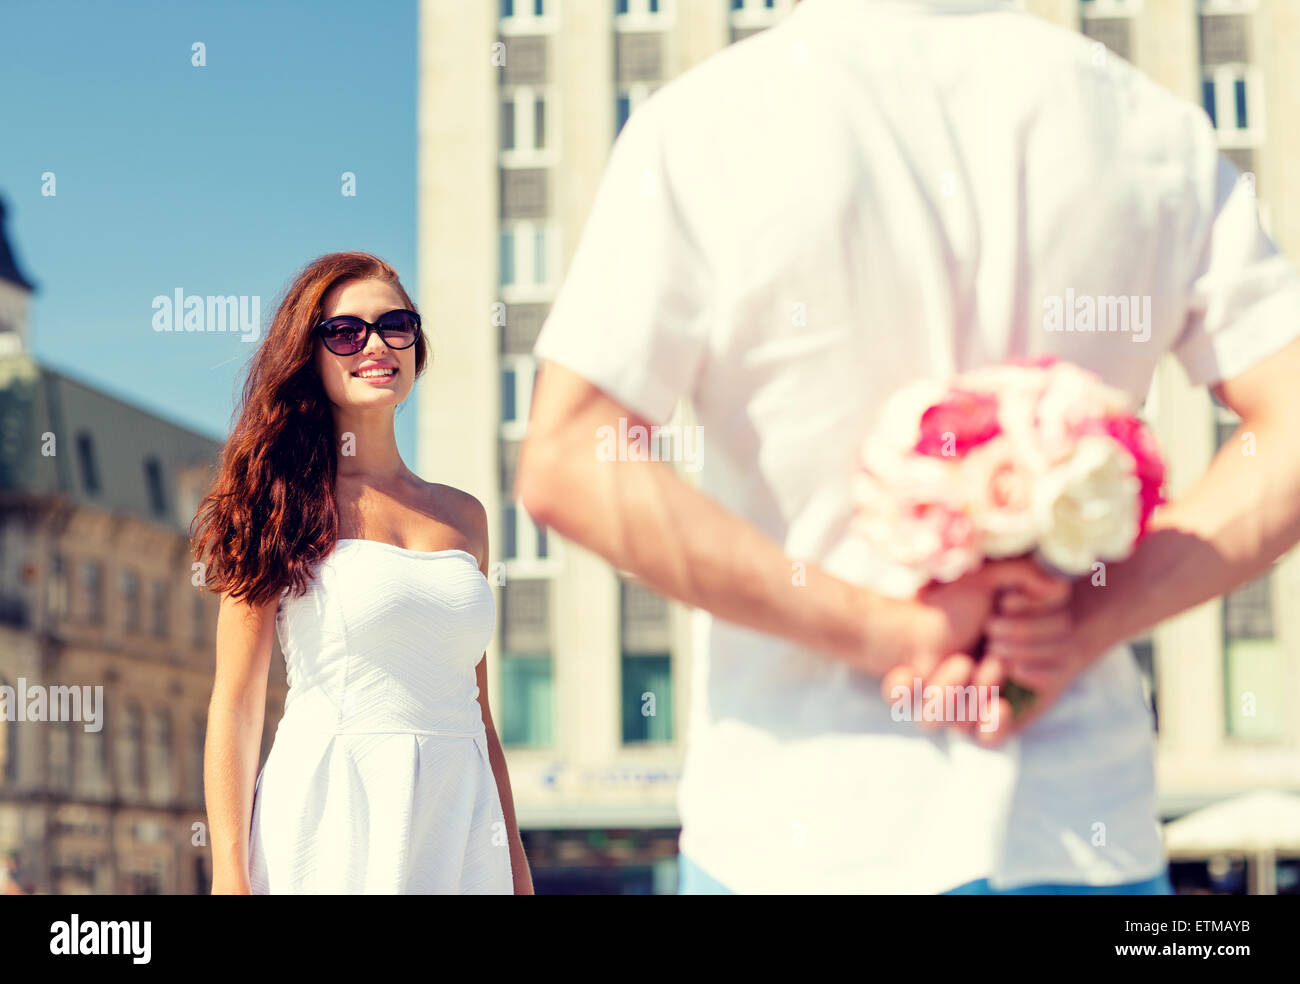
<point x="952" y="617"/>
<point x="1033" y="616"/>
<point x="1036" y="644"/>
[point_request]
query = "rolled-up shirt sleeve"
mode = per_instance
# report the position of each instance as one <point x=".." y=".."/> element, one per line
<point x="1244" y="302"/>
<point x="631" y="315"/>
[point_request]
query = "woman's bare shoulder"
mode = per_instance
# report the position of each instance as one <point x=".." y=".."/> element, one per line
<point x="463" y="511"/>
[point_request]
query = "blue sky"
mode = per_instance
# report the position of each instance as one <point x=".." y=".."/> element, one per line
<point x="222" y="179"/>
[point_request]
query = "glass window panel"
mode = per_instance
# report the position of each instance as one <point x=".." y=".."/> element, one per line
<point x="507" y="257"/>
<point x="508" y="124"/>
<point x="526" y="700"/>
<point x="539" y="257"/>
<point x="1254" y="678"/>
<point x="508" y="411"/>
<point x="509" y="532"/>
<point x="647" y="698"/>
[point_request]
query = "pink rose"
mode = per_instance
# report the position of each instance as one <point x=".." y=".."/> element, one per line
<point x="1137" y="439"/>
<point x="935" y="539"/>
<point x="938" y="540"/>
<point x="1000" y="488"/>
<point x="959" y="422"/>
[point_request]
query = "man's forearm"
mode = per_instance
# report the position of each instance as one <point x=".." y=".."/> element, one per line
<point x="1229" y="528"/>
<point x="643" y="518"/>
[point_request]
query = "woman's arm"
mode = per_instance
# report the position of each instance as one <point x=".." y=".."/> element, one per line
<point x="236" y="715"/>
<point x="518" y="860"/>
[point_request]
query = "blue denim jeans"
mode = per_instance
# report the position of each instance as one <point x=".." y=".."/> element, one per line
<point x="694" y="880"/>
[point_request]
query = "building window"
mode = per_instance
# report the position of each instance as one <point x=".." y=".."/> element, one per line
<point x="540" y="273"/>
<point x="640" y="14"/>
<point x="647" y="692"/>
<point x="751" y="16"/>
<point x="527" y="695"/>
<point x="525" y="544"/>
<point x="60" y="756"/>
<point x="626" y="101"/>
<point x="91" y="767"/>
<point x="527" y="700"/>
<point x="518" y="373"/>
<point x="507" y="257"/>
<point x="154" y="483"/>
<point x="1232" y="96"/>
<point x="131" y="600"/>
<point x="507" y="124"/>
<point x="509" y="527"/>
<point x="159" y="753"/>
<point x="199" y="621"/>
<point x="56" y="588"/>
<point x="647" y="697"/>
<point x="86" y="459"/>
<point x="525" y="256"/>
<point x="197" y="742"/>
<point x="8" y="734"/>
<point x="508" y="403"/>
<point x="92" y="591"/>
<point x="158" y="608"/>
<point x="527" y="16"/>
<point x="130" y="753"/>
<point x="523" y="120"/>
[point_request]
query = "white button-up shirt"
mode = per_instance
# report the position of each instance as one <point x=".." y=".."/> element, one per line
<point x="868" y="194"/>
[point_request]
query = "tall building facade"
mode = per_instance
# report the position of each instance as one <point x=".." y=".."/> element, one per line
<point x="106" y="642"/>
<point x="520" y="102"/>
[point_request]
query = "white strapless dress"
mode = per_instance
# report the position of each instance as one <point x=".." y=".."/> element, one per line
<point x="378" y="780"/>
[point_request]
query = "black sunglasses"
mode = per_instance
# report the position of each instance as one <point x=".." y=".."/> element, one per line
<point x="348" y="335"/>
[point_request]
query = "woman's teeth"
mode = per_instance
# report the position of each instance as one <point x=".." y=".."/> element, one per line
<point x="371" y="373"/>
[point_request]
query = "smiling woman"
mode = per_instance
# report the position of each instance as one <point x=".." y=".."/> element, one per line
<point x="386" y="774"/>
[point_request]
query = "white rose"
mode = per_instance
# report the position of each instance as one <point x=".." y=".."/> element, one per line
<point x="1087" y="506"/>
<point x="1000" y="488"/>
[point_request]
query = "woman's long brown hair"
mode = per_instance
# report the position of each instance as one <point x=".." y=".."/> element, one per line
<point x="270" y="516"/>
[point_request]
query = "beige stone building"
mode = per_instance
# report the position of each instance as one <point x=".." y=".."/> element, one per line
<point x="102" y="791"/>
<point x="520" y="102"/>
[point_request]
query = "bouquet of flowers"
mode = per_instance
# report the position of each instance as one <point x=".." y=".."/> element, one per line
<point x="1038" y="458"/>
